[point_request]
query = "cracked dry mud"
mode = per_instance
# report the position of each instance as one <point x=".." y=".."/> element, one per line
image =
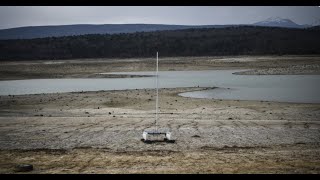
<point x="100" y="132"/>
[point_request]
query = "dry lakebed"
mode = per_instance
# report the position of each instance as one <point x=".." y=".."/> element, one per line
<point x="101" y="131"/>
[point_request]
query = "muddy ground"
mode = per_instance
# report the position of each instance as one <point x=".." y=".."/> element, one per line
<point x="100" y="132"/>
<point x="89" y="68"/>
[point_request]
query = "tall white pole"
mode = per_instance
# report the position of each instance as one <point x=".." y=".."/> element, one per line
<point x="157" y="95"/>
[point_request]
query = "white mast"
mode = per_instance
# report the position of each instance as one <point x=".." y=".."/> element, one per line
<point x="157" y="95"/>
<point x="145" y="133"/>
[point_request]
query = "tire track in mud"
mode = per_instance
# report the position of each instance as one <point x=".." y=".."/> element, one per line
<point x="139" y="125"/>
<point x="195" y="125"/>
<point x="181" y="126"/>
<point x="91" y="130"/>
<point x="259" y="125"/>
<point x="220" y="124"/>
<point x="78" y="135"/>
<point x="86" y="165"/>
<point x="243" y="124"/>
<point x="235" y="124"/>
<point x="124" y="125"/>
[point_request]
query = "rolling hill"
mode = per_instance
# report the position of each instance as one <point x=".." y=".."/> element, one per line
<point x="32" y="32"/>
<point x="82" y="29"/>
<point x="241" y="40"/>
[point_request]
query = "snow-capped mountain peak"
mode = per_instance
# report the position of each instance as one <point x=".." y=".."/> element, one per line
<point x="278" y="22"/>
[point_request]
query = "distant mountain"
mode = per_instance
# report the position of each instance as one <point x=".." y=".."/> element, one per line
<point x="32" y="32"/>
<point x="279" y="22"/>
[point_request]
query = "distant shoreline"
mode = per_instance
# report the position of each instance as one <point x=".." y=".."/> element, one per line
<point x="291" y="70"/>
<point x="79" y="68"/>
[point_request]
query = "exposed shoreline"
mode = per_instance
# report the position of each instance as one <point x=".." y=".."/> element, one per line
<point x="100" y="132"/>
<point x="290" y="70"/>
<point x="264" y="65"/>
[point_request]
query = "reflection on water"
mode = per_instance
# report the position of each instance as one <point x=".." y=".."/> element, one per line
<point x="297" y="95"/>
<point x="286" y="88"/>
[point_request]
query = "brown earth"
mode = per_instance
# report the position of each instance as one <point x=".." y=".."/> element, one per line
<point x="100" y="132"/>
<point x="89" y="68"/>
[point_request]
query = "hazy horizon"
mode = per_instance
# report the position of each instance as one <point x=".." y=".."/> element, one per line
<point x="12" y="16"/>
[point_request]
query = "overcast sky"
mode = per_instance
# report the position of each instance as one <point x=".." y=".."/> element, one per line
<point x="11" y="16"/>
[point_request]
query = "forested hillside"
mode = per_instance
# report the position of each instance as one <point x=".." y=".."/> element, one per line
<point x="31" y="32"/>
<point x="243" y="40"/>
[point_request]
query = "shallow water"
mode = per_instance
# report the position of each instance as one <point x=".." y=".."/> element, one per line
<point x="283" y="88"/>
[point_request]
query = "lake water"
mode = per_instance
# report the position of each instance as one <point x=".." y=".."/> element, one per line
<point x="283" y="88"/>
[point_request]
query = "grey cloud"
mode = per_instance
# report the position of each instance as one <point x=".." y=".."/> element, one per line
<point x="189" y="15"/>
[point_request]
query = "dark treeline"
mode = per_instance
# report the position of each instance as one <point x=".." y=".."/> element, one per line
<point x="245" y="40"/>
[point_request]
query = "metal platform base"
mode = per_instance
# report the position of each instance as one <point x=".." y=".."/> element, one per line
<point x="156" y="136"/>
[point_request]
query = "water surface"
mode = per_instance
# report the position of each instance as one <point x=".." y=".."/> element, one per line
<point x="283" y="88"/>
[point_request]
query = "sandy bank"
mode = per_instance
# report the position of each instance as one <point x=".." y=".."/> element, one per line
<point x="88" y="68"/>
<point x="100" y="132"/>
<point x="305" y="69"/>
